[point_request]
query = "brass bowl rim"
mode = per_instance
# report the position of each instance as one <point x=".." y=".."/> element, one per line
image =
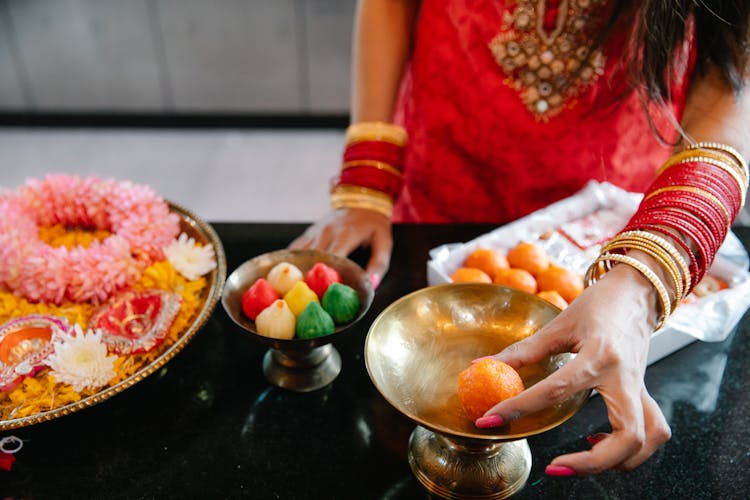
<point x="490" y="434"/>
<point x="296" y="344"/>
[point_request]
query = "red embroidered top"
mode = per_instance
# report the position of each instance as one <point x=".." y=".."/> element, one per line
<point x="508" y="109"/>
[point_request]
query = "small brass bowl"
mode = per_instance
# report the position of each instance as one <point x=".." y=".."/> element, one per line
<point x="414" y="352"/>
<point x="296" y="364"/>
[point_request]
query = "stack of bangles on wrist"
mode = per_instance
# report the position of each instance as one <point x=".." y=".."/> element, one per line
<point x="371" y="174"/>
<point x="691" y="204"/>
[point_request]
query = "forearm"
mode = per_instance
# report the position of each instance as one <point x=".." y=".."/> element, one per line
<point x="714" y="113"/>
<point x="383" y="35"/>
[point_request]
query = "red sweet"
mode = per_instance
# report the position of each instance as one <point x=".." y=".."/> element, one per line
<point x="320" y="277"/>
<point x="256" y="298"/>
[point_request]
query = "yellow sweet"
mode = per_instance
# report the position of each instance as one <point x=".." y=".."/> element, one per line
<point x="299" y="296"/>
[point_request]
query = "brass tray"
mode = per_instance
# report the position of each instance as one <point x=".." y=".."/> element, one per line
<point x="203" y="233"/>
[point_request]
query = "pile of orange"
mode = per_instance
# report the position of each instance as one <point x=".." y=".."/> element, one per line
<point x="486" y="383"/>
<point x="526" y="267"/>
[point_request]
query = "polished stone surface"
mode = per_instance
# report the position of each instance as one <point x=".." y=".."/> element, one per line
<point x="208" y="425"/>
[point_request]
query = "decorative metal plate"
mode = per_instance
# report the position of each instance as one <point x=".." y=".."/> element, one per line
<point x="203" y="233"/>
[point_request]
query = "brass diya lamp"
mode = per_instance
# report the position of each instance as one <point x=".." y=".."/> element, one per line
<point x="300" y="365"/>
<point x="414" y="352"/>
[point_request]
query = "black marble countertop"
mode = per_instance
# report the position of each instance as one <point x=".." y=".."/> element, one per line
<point x="208" y="425"/>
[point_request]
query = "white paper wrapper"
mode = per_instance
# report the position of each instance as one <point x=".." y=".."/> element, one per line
<point x="571" y="231"/>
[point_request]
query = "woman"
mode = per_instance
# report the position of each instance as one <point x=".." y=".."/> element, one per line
<point x="509" y="106"/>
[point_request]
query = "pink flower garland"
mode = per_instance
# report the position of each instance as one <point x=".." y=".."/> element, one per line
<point x="139" y="220"/>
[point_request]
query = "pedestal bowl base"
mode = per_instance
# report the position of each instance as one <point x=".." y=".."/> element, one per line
<point x="459" y="468"/>
<point x="302" y="371"/>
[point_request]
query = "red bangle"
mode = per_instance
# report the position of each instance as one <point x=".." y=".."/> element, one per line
<point x="373" y="178"/>
<point x="382" y="151"/>
<point x="689" y="225"/>
<point x="720" y="186"/>
<point x="709" y="212"/>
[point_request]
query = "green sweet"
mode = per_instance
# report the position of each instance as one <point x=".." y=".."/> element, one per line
<point x="341" y="302"/>
<point x="313" y="322"/>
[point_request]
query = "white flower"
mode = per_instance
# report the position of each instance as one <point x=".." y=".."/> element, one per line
<point x="81" y="360"/>
<point x="189" y="259"/>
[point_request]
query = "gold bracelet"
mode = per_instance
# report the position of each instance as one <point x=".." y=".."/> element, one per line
<point x="698" y="191"/>
<point x="376" y="131"/>
<point x="372" y="163"/>
<point x="721" y="147"/>
<point x="346" y="196"/>
<point x="688" y="154"/>
<point x="649" y="249"/>
<point x="647" y="273"/>
<point x="669" y="248"/>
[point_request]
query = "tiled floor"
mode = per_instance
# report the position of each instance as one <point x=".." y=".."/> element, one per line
<point x="221" y="175"/>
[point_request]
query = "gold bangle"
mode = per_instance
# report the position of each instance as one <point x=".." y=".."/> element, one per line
<point x="721" y="147"/>
<point x="696" y="190"/>
<point x="667" y="246"/>
<point x="361" y="190"/>
<point x="376" y="131"/>
<point x="647" y="273"/>
<point x="669" y="266"/>
<point x="688" y="154"/>
<point x="345" y="196"/>
<point x="371" y="163"/>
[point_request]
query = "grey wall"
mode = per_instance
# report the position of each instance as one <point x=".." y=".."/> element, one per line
<point x="244" y="56"/>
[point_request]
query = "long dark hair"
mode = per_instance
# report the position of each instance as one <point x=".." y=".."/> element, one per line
<point x="721" y="37"/>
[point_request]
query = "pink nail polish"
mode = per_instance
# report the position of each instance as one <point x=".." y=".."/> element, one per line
<point x="375" y="280"/>
<point x="489" y="421"/>
<point x="559" y="471"/>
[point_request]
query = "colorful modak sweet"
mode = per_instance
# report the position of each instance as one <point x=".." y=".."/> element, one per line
<point x="256" y="298"/>
<point x="341" y="302"/>
<point x="299" y="296"/>
<point x="276" y="321"/>
<point x="320" y="277"/>
<point x="314" y="322"/>
<point x="283" y="276"/>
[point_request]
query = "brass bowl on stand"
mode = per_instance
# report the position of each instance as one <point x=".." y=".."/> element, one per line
<point x="415" y="350"/>
<point x="300" y="365"/>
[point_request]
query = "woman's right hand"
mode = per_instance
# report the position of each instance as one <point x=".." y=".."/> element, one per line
<point x="344" y="230"/>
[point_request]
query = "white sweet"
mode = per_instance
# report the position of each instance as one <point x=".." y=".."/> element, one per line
<point x="276" y="321"/>
<point x="283" y="276"/>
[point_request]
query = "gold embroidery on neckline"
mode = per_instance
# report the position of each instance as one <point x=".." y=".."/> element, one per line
<point x="549" y="69"/>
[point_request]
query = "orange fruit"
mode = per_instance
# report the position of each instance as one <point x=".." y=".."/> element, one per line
<point x="488" y="260"/>
<point x="529" y="257"/>
<point x="564" y="281"/>
<point x="470" y="275"/>
<point x="484" y="384"/>
<point x="553" y="298"/>
<point x="519" y="279"/>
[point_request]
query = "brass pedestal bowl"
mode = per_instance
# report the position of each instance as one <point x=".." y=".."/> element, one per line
<point x="414" y="352"/>
<point x="300" y="365"/>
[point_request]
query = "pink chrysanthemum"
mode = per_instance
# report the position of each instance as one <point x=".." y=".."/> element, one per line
<point x="139" y="220"/>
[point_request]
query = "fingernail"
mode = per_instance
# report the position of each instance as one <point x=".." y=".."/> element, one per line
<point x="595" y="438"/>
<point x="489" y="421"/>
<point x="480" y="359"/>
<point x="559" y="471"/>
<point x="375" y="280"/>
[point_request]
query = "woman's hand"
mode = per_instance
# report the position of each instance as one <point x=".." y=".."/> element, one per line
<point x="608" y="326"/>
<point x="343" y="230"/>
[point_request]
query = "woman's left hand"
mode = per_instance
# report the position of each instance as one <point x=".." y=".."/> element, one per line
<point x="609" y="326"/>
